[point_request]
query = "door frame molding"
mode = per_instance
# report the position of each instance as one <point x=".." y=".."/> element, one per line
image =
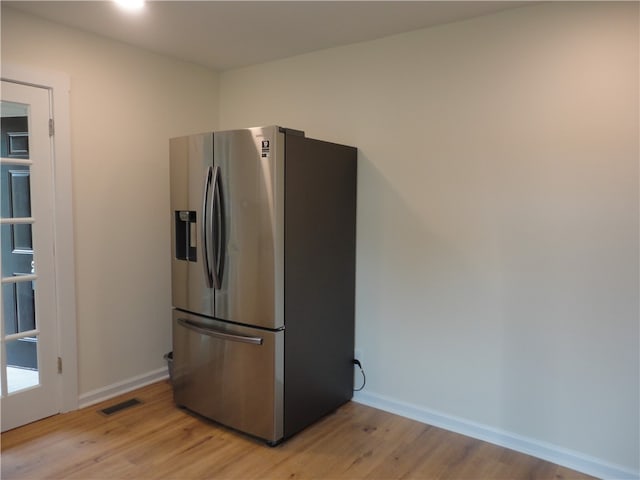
<point x="59" y="86"/>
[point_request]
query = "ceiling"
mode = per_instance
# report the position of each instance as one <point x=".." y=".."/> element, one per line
<point x="222" y="35"/>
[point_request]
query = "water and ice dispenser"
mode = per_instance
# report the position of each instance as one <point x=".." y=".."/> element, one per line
<point x="186" y="235"/>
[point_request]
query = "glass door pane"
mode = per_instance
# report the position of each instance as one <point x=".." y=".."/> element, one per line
<point x="16" y="249"/>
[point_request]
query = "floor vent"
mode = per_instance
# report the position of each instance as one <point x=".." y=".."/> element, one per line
<point x="120" y="406"/>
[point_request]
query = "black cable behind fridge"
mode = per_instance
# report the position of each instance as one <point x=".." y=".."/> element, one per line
<point x="364" y="377"/>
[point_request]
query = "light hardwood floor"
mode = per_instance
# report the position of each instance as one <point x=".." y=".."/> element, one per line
<point x="157" y="440"/>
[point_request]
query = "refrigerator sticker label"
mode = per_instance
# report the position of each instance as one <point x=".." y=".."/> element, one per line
<point x="265" y="148"/>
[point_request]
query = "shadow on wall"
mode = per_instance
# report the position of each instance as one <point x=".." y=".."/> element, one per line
<point x="425" y="310"/>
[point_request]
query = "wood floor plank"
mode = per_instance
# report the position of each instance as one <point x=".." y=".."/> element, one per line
<point x="156" y="440"/>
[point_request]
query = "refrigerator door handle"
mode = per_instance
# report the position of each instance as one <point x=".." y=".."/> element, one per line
<point x="218" y="229"/>
<point x="218" y="334"/>
<point x="205" y="229"/>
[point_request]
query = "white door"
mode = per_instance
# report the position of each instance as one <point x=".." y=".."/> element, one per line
<point x="28" y="344"/>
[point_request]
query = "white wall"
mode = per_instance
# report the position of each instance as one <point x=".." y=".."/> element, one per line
<point x="497" y="268"/>
<point x="125" y="105"/>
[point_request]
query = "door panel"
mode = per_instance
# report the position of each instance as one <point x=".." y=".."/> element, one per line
<point x="29" y="377"/>
<point x="232" y="374"/>
<point x="16" y="247"/>
<point x="251" y="163"/>
<point x="191" y="167"/>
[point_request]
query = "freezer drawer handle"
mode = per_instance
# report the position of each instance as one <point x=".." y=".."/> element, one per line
<point x="218" y="334"/>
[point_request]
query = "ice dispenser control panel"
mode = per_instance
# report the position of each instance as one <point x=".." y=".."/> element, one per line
<point x="185" y="235"/>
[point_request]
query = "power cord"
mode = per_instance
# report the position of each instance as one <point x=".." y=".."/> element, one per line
<point x="364" y="377"/>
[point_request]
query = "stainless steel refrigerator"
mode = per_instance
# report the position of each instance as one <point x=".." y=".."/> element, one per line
<point x="263" y="277"/>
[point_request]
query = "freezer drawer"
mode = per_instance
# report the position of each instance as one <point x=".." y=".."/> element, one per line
<point x="230" y="374"/>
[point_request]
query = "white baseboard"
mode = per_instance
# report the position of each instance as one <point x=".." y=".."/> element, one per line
<point x="552" y="453"/>
<point x="115" y="389"/>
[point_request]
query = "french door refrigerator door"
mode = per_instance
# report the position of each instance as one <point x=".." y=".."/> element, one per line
<point x="191" y="175"/>
<point x="250" y="163"/>
<point x="230" y="374"/>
